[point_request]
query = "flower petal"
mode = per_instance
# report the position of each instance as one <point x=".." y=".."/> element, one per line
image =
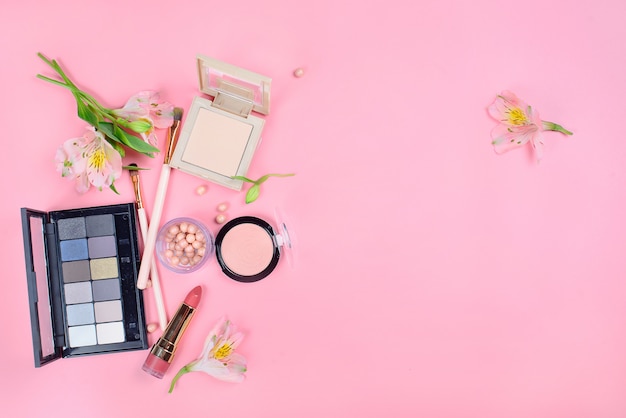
<point x="220" y="371"/>
<point x="506" y="138"/>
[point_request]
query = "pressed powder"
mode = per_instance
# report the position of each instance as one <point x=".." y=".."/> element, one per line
<point x="221" y="134"/>
<point x="217" y="143"/>
<point x="247" y="249"/>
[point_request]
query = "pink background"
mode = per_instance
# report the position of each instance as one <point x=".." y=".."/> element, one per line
<point x="433" y="277"/>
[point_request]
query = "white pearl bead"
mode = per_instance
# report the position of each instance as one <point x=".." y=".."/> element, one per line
<point x="200" y="190"/>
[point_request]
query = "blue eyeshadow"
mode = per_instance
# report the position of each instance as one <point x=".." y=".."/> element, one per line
<point x="74" y="249"/>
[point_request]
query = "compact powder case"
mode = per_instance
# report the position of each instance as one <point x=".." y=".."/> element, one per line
<point x="82" y="267"/>
<point x="248" y="248"/>
<point x="219" y="136"/>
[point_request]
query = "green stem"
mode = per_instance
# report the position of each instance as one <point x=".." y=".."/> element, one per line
<point x="181" y="372"/>
<point x="53" y="81"/>
<point x="551" y="126"/>
<point x="69" y="84"/>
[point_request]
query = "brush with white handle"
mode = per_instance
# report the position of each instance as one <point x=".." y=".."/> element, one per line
<point x="153" y="229"/>
<point x="154" y="274"/>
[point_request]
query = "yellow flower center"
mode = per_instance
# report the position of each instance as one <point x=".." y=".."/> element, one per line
<point x="517" y="116"/>
<point x="223" y="351"/>
<point x="97" y="159"/>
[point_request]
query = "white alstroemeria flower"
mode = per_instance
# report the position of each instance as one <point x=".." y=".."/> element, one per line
<point x="218" y="357"/>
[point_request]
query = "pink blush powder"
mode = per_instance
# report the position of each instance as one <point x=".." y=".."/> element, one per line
<point x="247" y="249"/>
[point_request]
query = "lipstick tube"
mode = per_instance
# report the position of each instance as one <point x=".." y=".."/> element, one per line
<point x="162" y="353"/>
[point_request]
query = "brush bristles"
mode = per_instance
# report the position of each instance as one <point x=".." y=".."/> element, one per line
<point x="178" y="113"/>
<point x="133" y="172"/>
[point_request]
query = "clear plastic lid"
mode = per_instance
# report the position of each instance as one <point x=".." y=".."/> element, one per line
<point x="285" y="236"/>
<point x="220" y="77"/>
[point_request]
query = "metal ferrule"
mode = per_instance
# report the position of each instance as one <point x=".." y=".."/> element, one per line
<point x="172" y="137"/>
<point x="137" y="187"/>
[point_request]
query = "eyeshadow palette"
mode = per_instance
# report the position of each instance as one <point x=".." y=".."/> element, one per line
<point x="82" y="269"/>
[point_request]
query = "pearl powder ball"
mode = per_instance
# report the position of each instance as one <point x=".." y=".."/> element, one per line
<point x="200" y="190"/>
<point x="184" y="245"/>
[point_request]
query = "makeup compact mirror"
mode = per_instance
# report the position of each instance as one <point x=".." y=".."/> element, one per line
<point x="248" y="248"/>
<point x="220" y="136"/>
<point x="39" y="290"/>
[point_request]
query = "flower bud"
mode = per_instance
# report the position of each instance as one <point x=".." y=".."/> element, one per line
<point x="139" y="126"/>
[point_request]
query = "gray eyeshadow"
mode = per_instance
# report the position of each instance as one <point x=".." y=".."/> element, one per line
<point x="100" y="247"/>
<point x="80" y="314"/>
<point x="108" y="311"/>
<point x="76" y="271"/>
<point x="99" y="225"/>
<point x="106" y="289"/>
<point x="77" y="292"/>
<point x="74" y="249"/>
<point x="71" y="228"/>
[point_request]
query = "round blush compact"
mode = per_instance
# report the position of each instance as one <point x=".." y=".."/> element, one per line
<point x="248" y="249"/>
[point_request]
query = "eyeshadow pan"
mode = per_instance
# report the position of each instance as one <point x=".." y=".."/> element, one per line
<point x="99" y="225"/>
<point x="71" y="228"/>
<point x="76" y="271"/>
<point x="80" y="314"/>
<point x="103" y="268"/>
<point x="106" y="289"/>
<point x="82" y="336"/>
<point x="100" y="247"/>
<point x="111" y="332"/>
<point x="77" y="292"/>
<point x="108" y="311"/>
<point x="74" y="249"/>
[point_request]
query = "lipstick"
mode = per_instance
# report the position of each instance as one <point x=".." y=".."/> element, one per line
<point x="162" y="353"/>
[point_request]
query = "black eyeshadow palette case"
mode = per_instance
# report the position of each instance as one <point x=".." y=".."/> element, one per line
<point x="81" y="267"/>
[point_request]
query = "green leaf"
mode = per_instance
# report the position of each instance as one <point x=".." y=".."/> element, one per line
<point x="112" y="187"/>
<point x="85" y="113"/>
<point x="253" y="193"/>
<point x="133" y="167"/>
<point x="117" y="147"/>
<point x="130" y="141"/>
<point x="119" y="133"/>
<point x="242" y="178"/>
<point x="108" y="129"/>
<point x="267" y="176"/>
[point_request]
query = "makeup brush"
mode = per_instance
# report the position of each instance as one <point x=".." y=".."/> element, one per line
<point x="150" y="239"/>
<point x="143" y="225"/>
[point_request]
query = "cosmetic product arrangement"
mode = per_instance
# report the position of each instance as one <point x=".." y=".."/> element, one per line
<point x="83" y="265"/>
<point x="81" y="269"/>
<point x="220" y="136"/>
<point x="163" y="351"/>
